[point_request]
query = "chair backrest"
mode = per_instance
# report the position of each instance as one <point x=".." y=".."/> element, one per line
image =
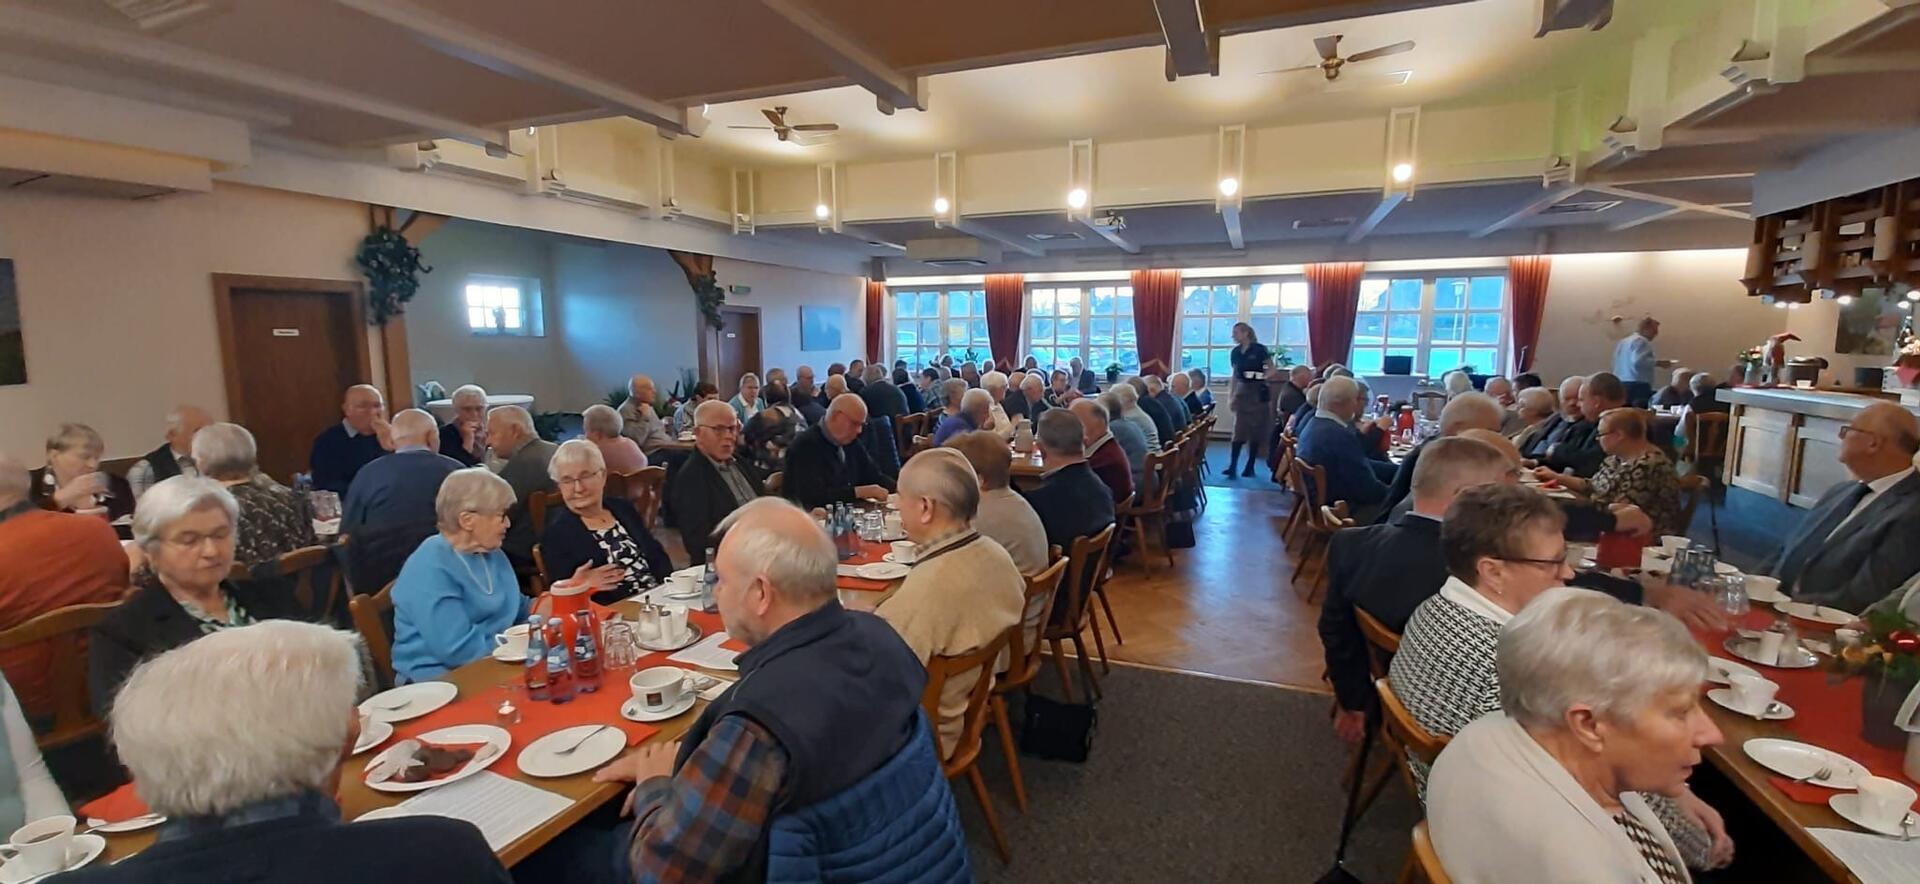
<point x="910" y="425"/>
<point x="1332" y="517"/>
<point x="1382" y="643"/>
<point x="369" y="613"/>
<point x="1706" y="436"/>
<point x="64" y="633"/>
<point x="1423" y="744"/>
<point x="1309" y="480"/>
<point x="1156" y="480"/>
<point x="1693" y="487"/>
<point x="776" y="480"/>
<point x="306" y="566"/>
<point x="1023" y="641"/>
<point x="537" y="505"/>
<point x="942" y="669"/>
<point x="1424" y="859"/>
<point x="1086" y="563"/>
<point x="640" y="488"/>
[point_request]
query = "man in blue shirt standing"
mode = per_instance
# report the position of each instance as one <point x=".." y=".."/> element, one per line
<point x="1634" y="362"/>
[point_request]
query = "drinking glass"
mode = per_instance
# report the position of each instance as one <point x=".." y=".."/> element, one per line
<point x="619" y="649"/>
<point x="1730" y="591"/>
<point x="326" y="505"/>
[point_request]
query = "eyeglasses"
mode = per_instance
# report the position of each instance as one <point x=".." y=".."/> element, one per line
<point x="1566" y="558"/>
<point x="193" y="541"/>
<point x="722" y="429"/>
<point x="581" y="479"/>
<point x="1849" y="429"/>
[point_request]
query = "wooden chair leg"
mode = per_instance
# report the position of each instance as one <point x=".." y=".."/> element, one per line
<point x="1410" y="870"/>
<point x="1093" y="620"/>
<point x="1140" y="540"/>
<point x="1086" y="668"/>
<point x="999" y="702"/>
<point x="979" y="785"/>
<point x="1372" y="792"/>
<point x="1165" y="547"/>
<point x="1060" y="666"/>
<point x="1106" y="607"/>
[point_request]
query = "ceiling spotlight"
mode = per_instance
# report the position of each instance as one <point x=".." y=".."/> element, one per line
<point x="1914" y="295"/>
<point x="1077" y="198"/>
<point x="1229" y="186"/>
<point x="1793" y="305"/>
<point x="1402" y="172"/>
<point x="1844" y="300"/>
<point x="1780" y="305"/>
<point x="940" y="205"/>
<point x="822" y="212"/>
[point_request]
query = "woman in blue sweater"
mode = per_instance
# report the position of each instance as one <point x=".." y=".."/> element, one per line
<point x="457" y="590"/>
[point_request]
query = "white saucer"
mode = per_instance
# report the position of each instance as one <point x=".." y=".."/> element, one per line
<point x="1776" y="711"/>
<point x="1847" y="805"/>
<point x="86" y="848"/>
<point x="1718" y="668"/>
<point x="889" y="557"/>
<point x="376" y="733"/>
<point x="131" y="824"/>
<point x="633" y="711"/>
<point x="541" y="757"/>
<point x="882" y="570"/>
<point x="419" y="699"/>
<point x="1793" y="759"/>
<point x="507" y="655"/>
<point x="1765" y="595"/>
<point x="1816" y="613"/>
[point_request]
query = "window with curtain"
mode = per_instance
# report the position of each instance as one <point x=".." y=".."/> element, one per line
<point x="1443" y="322"/>
<point x="1093" y="323"/>
<point x="1275" y="308"/>
<point x="498" y="305"/>
<point x="932" y="322"/>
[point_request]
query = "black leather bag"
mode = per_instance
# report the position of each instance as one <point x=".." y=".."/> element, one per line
<point x="1058" y="731"/>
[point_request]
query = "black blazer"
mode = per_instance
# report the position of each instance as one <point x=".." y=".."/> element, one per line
<point x="818" y="474"/>
<point x="1162" y="422"/>
<point x="1402" y="485"/>
<point x="1387" y="571"/>
<point x="568" y="544"/>
<point x="1578" y="451"/>
<point x="915" y="402"/>
<point x="120" y="504"/>
<point x="699" y="499"/>
<point x="150" y="622"/>
<point x="451" y="447"/>
<point x="1086" y="383"/>
<point x="1072" y="502"/>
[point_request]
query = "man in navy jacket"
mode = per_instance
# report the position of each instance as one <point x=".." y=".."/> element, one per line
<point x="1329" y="441"/>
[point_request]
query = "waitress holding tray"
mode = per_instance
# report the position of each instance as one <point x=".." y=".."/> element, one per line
<point x="1250" y="395"/>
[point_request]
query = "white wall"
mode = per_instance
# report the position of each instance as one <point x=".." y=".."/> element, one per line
<point x="779" y="292"/>
<point x="622" y="310"/>
<point x="116" y="300"/>
<point x="440" y="348"/>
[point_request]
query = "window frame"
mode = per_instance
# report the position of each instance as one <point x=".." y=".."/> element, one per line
<point x="1125" y="339"/>
<point x="527" y="293"/>
<point x="976" y="294"/>
<point x="1425" y="312"/>
<point x="1246" y="292"/>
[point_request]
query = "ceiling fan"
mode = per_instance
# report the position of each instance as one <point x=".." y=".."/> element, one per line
<point x="1331" y="61"/>
<point x="784" y="131"/>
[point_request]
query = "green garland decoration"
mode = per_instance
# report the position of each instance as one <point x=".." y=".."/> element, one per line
<point x="708" y="293"/>
<point x="392" y="267"/>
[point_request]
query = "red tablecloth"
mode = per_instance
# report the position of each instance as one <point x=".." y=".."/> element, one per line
<point x="869" y="553"/>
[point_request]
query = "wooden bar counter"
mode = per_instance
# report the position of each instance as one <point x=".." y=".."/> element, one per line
<point x="1784" y="443"/>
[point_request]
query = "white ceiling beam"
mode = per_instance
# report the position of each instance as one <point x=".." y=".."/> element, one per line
<point x="460" y="40"/>
<point x="891" y="89"/>
<point x="1546" y="200"/>
<point x="870" y="237"/>
<point x="978" y="231"/>
<point x="1192" y="48"/>
<point x="1676" y="202"/>
<point x="1624" y="179"/>
<point x="1110" y="234"/>
<point x="1388" y="202"/>
<point x="71" y="34"/>
<point x="1661" y="215"/>
<point x="1235" y="237"/>
<point x="1231" y="168"/>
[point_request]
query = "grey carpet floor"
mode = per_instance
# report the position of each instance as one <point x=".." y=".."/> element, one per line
<point x="1192" y="779"/>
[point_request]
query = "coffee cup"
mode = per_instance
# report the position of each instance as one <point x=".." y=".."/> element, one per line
<point x="904" y="551"/>
<point x="513" y="641"/>
<point x="1752" y="693"/>
<point x="1769" y="651"/>
<point x="1674" y="543"/>
<point x="894" y="525"/>
<point x="659" y="687"/>
<point x="41" y="847"/>
<point x="673" y="623"/>
<point x="1762" y="587"/>
<point x="683" y="585"/>
<point x="1883" y="802"/>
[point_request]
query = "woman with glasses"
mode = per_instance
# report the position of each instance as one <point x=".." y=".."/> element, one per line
<point x="597" y="531"/>
<point x="186" y="527"/>
<point x="1635" y="471"/>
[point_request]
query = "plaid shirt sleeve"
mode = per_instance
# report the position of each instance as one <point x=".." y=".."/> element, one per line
<point x="704" y="821"/>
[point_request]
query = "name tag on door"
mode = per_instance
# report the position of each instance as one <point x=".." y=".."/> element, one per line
<point x="286" y="333"/>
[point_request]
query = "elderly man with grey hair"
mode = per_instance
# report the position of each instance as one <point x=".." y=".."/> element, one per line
<point x="1565" y="422"/>
<point x="827" y="464"/>
<point x="639" y="421"/>
<point x="1070" y="499"/>
<point x="964" y="591"/>
<point x="1128" y="400"/>
<point x="1108" y="459"/>
<point x="1536" y="409"/>
<point x="602" y="425"/>
<point x="342" y="449"/>
<point x="715" y="480"/>
<point x="175" y="458"/>
<point x="465" y="437"/>
<point x="994" y="384"/>
<point x="1467" y="411"/>
<point x="274" y="520"/>
<point x="399" y="488"/>
<point x="1330" y="442"/>
<point x="277" y="700"/>
<point x="1133" y="443"/>
<point x="882" y="397"/>
<point x="953" y="419"/>
<point x="520" y="456"/>
<point x="1030" y="399"/>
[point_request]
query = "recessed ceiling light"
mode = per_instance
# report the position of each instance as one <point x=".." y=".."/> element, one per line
<point x="1229" y="186"/>
<point x="1077" y="198"/>
<point x="940" y="205"/>
<point x="1844" y="300"/>
<point x="822" y="212"/>
<point x="1793" y="305"/>
<point x="1781" y="305"/>
<point x="1402" y="172"/>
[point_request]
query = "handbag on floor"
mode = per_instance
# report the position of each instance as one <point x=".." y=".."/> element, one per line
<point x="1057" y="731"/>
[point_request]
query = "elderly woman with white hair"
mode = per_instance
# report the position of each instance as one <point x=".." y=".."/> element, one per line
<point x="955" y="418"/>
<point x="457" y="591"/>
<point x="601" y="425"/>
<point x="747" y="402"/>
<point x="1128" y="399"/>
<point x="72" y="481"/>
<point x="273" y="520"/>
<point x="465" y="438"/>
<point x="239" y="740"/>
<point x="596" y="531"/>
<point x="994" y="384"/>
<point x="1599" y="706"/>
<point x="186" y="528"/>
<point x="1536" y="408"/>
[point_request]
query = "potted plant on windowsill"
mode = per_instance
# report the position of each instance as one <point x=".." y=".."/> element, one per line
<point x="1113" y="372"/>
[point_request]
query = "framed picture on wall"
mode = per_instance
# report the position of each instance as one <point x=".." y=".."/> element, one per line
<point x="820" y="327"/>
<point x="13" y="349"/>
<point x="1868" y="326"/>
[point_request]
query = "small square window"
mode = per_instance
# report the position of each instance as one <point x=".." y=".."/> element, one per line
<point x="497" y="306"/>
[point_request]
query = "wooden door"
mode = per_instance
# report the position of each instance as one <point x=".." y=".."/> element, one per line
<point x="290" y="348"/>
<point x="736" y="349"/>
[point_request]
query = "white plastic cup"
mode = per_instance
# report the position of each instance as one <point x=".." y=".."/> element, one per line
<point x="1769" y="652"/>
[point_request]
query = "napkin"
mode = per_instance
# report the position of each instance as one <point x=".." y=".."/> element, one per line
<point x="115" y="806"/>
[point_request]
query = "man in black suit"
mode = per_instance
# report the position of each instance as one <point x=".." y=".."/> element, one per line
<point x="1579" y="451"/>
<point x="713" y="482"/>
<point x="1388" y="570"/>
<point x="1856" y="545"/>
<point x="1467" y="411"/>
<point x="1029" y="400"/>
<point x="1555" y="429"/>
<point x="1070" y="499"/>
<point x="827" y="464"/>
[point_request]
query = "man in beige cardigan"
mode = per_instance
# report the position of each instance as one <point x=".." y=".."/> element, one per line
<point x="964" y="590"/>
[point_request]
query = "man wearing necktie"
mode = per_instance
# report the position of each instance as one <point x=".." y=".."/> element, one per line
<point x="1857" y="545"/>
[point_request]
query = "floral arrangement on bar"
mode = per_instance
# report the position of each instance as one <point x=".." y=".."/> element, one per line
<point x="1889" y="647"/>
<point x="1750" y="356"/>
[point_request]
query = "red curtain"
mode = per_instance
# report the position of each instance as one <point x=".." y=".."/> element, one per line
<point x="1006" y="296"/>
<point x="1333" y="297"/>
<point x="876" y="320"/>
<point x="1527" y="282"/>
<point x="1156" y="301"/>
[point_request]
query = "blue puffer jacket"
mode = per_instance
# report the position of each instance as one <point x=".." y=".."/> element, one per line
<point x="897" y="825"/>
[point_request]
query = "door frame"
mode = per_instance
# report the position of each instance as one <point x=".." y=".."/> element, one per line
<point x="709" y="337"/>
<point x="224" y="285"/>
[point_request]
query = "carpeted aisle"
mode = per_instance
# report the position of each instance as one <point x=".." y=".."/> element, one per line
<point x="1192" y="779"/>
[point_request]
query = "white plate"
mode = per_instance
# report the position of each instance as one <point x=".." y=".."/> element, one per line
<point x="1766" y="595"/>
<point x="889" y="557"/>
<point x="409" y="700"/>
<point x="1847" y="805"/>
<point x="496" y="739"/>
<point x="1724" y="696"/>
<point x="1718" y="668"/>
<point x="633" y="711"/>
<point x="1816" y="613"/>
<point x="1793" y="759"/>
<point x="132" y="824"/>
<point x="505" y="654"/>
<point x="85" y="849"/>
<point x="377" y="732"/>
<point x="882" y="570"/>
<point x="1724" y="568"/>
<point x="541" y="757"/>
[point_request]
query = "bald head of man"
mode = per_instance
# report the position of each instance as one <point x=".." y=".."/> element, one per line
<point x="182" y="422"/>
<point x="1881" y="440"/>
<point x="846" y="417"/>
<point x="777" y="568"/>
<point x="415" y="427"/>
<point x="363" y="407"/>
<point x="1469" y="411"/>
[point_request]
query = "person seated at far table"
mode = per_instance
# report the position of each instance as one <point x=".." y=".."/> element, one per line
<point x="910" y="391"/>
<point x="714" y="481"/>
<point x="598" y="530"/>
<point x="1677" y="392"/>
<point x="883" y="398"/>
<point x="601" y="425"/>
<point x="638" y="420"/>
<point x="72" y="481"/>
<point x="1182" y="387"/>
<point x="1071" y="500"/>
<point x="747" y="402"/>
<point x="827" y="464"/>
<point x="1579" y="452"/>
<point x="343" y="448"/>
<point x="175" y="456"/>
<point x="399" y="488"/>
<point x="994" y="385"/>
<point x="273" y="519"/>
<point x="1536" y="411"/>
<point x="1134" y="409"/>
<point x="1329" y="441"/>
<point x="1059" y="390"/>
<point x="1133" y="443"/>
<point x="1029" y="399"/>
<point x="856" y="375"/>
<point x="1856" y="545"/>
<point x="520" y="456"/>
<point x="817" y="761"/>
<point x="465" y="437"/>
<point x="953" y="418"/>
<point x="1635" y="472"/>
<point x="1199" y="378"/>
<point x="1702" y="397"/>
<point x="1563" y="422"/>
<point x="240" y="739"/>
<point x="457" y="591"/>
<point x="1501" y="389"/>
<point x="683" y="416"/>
<point x="1176" y="410"/>
<point x="1466" y="411"/>
<point x="1003" y="515"/>
<point x="1598" y="708"/>
<point x="964" y="590"/>
<point x="1296" y="423"/>
<point x="1109" y="459"/>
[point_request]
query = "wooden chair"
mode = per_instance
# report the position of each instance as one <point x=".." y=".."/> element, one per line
<point x="1428" y="400"/>
<point x="1416" y="741"/>
<point x="371" y="614"/>
<point x="920" y="443"/>
<point x="306" y="566"/>
<point x="1706" y="437"/>
<point x="1322" y="523"/>
<point x="776" y="481"/>
<point x="1309" y="486"/>
<point x="1423" y="864"/>
<point x="906" y="429"/>
<point x="1382" y="644"/>
<point x="1086" y="563"/>
<point x="63" y="633"/>
<point x="1149" y="507"/>
<point x="1693" y="487"/>
<point x="642" y="488"/>
<point x="537" y="505"/>
<point x="965" y="754"/>
<point x="1023" y="661"/>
